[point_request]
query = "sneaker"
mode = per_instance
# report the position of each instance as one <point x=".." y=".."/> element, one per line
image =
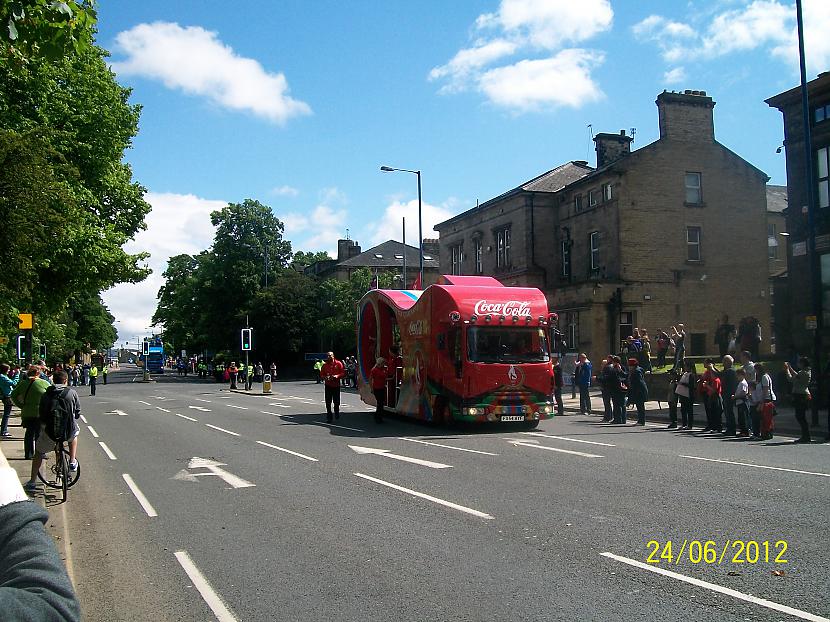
<point x="73" y="465"/>
<point x="6" y="434"/>
<point x="672" y="426"/>
<point x="30" y="486"/>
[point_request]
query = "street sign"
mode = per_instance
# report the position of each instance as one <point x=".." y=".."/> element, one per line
<point x="25" y="321"/>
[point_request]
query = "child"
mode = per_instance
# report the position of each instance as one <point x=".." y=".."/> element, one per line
<point x="741" y="401"/>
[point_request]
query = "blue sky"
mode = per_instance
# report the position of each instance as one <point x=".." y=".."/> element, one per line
<point x="298" y="103"/>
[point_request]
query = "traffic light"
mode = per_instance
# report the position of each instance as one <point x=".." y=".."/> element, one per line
<point x="145" y="348"/>
<point x="43" y="351"/>
<point x="21" y="347"/>
<point x="246" y="338"/>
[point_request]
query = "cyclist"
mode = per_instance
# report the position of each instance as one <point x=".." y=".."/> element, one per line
<point x="45" y="444"/>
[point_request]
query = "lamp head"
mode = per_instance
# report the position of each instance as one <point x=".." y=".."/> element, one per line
<point x="387" y="169"/>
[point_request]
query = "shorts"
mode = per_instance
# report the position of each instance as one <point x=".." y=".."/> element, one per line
<point x="45" y="445"/>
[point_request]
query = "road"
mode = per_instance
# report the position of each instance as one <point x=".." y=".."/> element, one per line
<point x="196" y="503"/>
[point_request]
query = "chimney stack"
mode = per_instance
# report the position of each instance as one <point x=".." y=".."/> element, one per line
<point x="686" y="116"/>
<point x="346" y="249"/>
<point x="611" y="147"/>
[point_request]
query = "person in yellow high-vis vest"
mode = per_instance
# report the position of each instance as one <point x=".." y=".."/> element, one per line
<point x="93" y="378"/>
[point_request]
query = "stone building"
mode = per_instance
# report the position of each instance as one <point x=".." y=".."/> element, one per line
<point x="799" y="333"/>
<point x="674" y="232"/>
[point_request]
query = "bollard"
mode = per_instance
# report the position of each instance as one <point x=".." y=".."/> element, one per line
<point x="266" y="384"/>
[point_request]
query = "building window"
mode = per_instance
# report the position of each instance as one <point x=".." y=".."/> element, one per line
<point x="821" y="113"/>
<point x="594" y="246"/>
<point x="503" y="248"/>
<point x="626" y="327"/>
<point x="577" y="203"/>
<point x="823" y="181"/>
<point x="592" y="198"/>
<point x="477" y="255"/>
<point x="693" y="194"/>
<point x="772" y="240"/>
<point x="572" y="330"/>
<point x="456" y="257"/>
<point x="566" y="258"/>
<point x="607" y="193"/>
<point x="693" y="244"/>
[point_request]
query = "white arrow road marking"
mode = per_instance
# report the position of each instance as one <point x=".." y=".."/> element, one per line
<point x="422" y="495"/>
<point x="143" y="402"/>
<point x="386" y="453"/>
<point x="107" y="450"/>
<point x="213" y="467"/>
<point x="148" y="508"/>
<point x="213" y="600"/>
<point x="288" y="451"/>
<point x="565" y="438"/>
<point x="185" y="417"/>
<point x="216" y="427"/>
<point x="718" y="588"/>
<point x="162" y="409"/>
<point x="239" y="407"/>
<point x="203" y="409"/>
<point x="758" y="466"/>
<point x="563" y="451"/>
<point x="92" y="431"/>
<point x="472" y="451"/>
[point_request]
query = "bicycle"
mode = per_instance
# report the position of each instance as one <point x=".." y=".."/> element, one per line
<point x="59" y="475"/>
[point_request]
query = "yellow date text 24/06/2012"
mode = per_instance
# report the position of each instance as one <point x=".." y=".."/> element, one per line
<point x="714" y="552"/>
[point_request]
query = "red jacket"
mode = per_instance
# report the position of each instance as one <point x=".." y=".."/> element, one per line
<point x="333" y="371"/>
<point x="378" y="376"/>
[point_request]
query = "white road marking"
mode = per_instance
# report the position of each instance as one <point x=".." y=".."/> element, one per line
<point x="216" y="427"/>
<point x="83" y="419"/>
<point x="387" y="454"/>
<point x="422" y="495"/>
<point x="226" y="397"/>
<point x="92" y="431"/>
<point x="265" y="412"/>
<point x="718" y="588"/>
<point x="162" y="409"/>
<point x="239" y="407"/>
<point x="563" y="451"/>
<point x="148" y="508"/>
<point x="206" y="410"/>
<point x="201" y="400"/>
<point x="758" y="466"/>
<point x="185" y="417"/>
<point x="334" y="425"/>
<point x="565" y="438"/>
<point x="288" y="451"/>
<point x="305" y="399"/>
<point x="213" y="467"/>
<point x="143" y="402"/>
<point x="121" y="413"/>
<point x="280" y="405"/>
<point x="213" y="600"/>
<point x="472" y="451"/>
<point x="107" y="450"/>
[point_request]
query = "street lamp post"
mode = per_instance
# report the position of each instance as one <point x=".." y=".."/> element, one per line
<point x="389" y="169"/>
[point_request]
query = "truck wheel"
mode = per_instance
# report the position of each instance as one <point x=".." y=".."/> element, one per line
<point x="531" y="425"/>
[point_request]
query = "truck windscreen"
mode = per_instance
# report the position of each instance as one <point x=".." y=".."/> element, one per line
<point x="507" y="344"/>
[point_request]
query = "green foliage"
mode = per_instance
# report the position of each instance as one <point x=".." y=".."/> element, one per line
<point x="307" y="258"/>
<point x="44" y="29"/>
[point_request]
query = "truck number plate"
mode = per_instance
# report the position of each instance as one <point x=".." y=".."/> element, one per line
<point x="512" y="418"/>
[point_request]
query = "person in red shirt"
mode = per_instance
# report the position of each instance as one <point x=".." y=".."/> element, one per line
<point x="379" y="376"/>
<point x="332" y="371"/>
<point x="712" y="398"/>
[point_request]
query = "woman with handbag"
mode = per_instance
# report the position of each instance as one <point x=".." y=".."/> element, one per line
<point x="800" y="381"/>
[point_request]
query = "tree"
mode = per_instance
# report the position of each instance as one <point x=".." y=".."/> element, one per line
<point x="307" y="258"/>
<point x="44" y="29"/>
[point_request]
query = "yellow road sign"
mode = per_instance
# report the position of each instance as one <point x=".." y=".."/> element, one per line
<point x="25" y="321"/>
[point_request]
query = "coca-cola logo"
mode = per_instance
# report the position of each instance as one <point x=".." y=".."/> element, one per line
<point x="511" y="307"/>
<point x="416" y="328"/>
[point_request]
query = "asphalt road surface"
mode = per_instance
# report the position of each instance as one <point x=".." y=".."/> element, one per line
<point x="196" y="503"/>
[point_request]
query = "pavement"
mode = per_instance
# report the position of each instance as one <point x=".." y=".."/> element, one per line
<point x="196" y="503"/>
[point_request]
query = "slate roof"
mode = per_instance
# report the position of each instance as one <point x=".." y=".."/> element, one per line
<point x="776" y="198"/>
<point x="389" y="254"/>
<point x="552" y="181"/>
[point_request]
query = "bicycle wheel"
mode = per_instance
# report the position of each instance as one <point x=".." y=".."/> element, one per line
<point x="52" y="477"/>
<point x="72" y="476"/>
<point x="63" y="470"/>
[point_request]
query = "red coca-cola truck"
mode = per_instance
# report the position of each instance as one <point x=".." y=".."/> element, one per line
<point x="465" y="349"/>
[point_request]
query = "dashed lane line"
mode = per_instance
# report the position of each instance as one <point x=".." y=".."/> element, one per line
<point x="216" y="427"/>
<point x="211" y="598"/>
<point x="162" y="409"/>
<point x="757" y="466"/>
<point x="83" y="419"/>
<point x="798" y="613"/>
<point x="239" y="407"/>
<point x="107" y="450"/>
<point x="92" y="431"/>
<point x="556" y="449"/>
<point x="142" y="500"/>
<point x="472" y="451"/>
<point x="566" y="438"/>
<point x="185" y="417"/>
<point x="421" y="495"/>
<point x="143" y="402"/>
<point x="201" y="400"/>
<point x="288" y="451"/>
<point x="334" y="425"/>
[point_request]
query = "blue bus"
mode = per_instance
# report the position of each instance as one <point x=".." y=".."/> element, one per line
<point x="154" y="358"/>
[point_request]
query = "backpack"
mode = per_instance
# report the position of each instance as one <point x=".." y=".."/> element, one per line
<point x="57" y="414"/>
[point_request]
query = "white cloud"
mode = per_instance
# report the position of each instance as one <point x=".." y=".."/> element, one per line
<point x="675" y="76"/>
<point x="526" y="28"/>
<point x="285" y="191"/>
<point x="562" y="80"/>
<point x="195" y="61"/>
<point x="178" y="223"/>
<point x="388" y="227"/>
<point x="760" y="24"/>
<point x="321" y="227"/>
